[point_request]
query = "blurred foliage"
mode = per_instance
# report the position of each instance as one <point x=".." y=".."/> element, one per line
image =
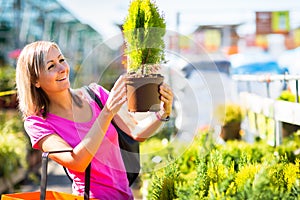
<point x="160" y="147"/>
<point x="230" y="112"/>
<point x="13" y="145"/>
<point x="235" y="170"/>
<point x="287" y="95"/>
<point x="7" y="78"/>
<point x="163" y="184"/>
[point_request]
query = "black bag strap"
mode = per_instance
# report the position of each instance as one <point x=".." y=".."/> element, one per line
<point x="94" y="97"/>
<point x="87" y="176"/>
<point x="45" y="157"/>
<point x="98" y="101"/>
<point x="129" y="147"/>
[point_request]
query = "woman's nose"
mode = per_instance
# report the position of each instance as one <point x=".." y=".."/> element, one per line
<point x="61" y="67"/>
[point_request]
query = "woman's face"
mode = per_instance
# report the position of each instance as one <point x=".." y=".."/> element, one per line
<point x="55" y="75"/>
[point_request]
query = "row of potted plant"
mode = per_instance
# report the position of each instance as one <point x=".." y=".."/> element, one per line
<point x="237" y="170"/>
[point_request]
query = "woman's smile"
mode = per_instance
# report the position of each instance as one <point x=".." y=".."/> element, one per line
<point x="62" y="79"/>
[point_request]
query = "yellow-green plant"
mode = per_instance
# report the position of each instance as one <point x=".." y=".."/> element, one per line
<point x="230" y="112"/>
<point x="144" y="29"/>
<point x="13" y="147"/>
<point x="7" y="78"/>
<point x="287" y="95"/>
<point x="163" y="185"/>
<point x="237" y="170"/>
<point x="246" y="174"/>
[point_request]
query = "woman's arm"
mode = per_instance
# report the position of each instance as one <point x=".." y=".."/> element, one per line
<point x="140" y="130"/>
<point x="83" y="153"/>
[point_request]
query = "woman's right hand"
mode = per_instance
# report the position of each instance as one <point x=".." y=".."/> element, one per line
<point x="117" y="96"/>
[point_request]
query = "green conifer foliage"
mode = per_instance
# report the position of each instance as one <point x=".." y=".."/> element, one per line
<point x="144" y="29"/>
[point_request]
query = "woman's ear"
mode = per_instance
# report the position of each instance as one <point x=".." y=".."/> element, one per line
<point x="37" y="84"/>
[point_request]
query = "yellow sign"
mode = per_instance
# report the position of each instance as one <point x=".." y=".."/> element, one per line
<point x="272" y="22"/>
<point x="297" y="37"/>
<point x="280" y="22"/>
<point x="212" y="39"/>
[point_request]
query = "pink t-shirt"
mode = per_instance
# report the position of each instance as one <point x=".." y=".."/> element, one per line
<point x="108" y="174"/>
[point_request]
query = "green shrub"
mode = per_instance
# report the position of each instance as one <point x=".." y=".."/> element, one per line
<point x="276" y="180"/>
<point x="163" y="184"/>
<point x="287" y="95"/>
<point x="13" y="146"/>
<point x="144" y="29"/>
<point x="230" y="112"/>
<point x="7" y="78"/>
<point x="236" y="170"/>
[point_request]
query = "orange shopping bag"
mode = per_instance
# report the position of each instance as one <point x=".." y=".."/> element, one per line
<point x="43" y="194"/>
<point x="50" y="195"/>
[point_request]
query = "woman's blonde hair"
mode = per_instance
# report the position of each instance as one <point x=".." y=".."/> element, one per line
<point x="32" y="100"/>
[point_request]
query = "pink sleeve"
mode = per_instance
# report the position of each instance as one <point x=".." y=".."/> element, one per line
<point x="37" y="128"/>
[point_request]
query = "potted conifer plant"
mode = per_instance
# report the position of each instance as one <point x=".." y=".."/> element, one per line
<point x="230" y="116"/>
<point x="144" y="29"/>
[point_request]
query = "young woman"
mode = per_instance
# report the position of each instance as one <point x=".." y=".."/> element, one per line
<point x="58" y="117"/>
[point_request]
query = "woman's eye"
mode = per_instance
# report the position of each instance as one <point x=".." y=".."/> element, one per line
<point x="62" y="60"/>
<point x="51" y="66"/>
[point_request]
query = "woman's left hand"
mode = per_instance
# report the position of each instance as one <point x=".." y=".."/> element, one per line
<point x="167" y="98"/>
